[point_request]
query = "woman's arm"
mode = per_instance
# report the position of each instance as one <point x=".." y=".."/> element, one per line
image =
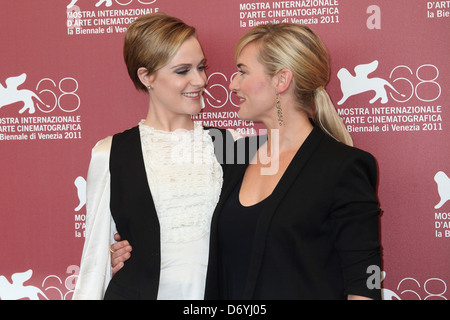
<point x="95" y="268"/>
<point x="120" y="252"/>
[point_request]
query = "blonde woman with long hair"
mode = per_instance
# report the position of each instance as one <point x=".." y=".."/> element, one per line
<point x="308" y="230"/>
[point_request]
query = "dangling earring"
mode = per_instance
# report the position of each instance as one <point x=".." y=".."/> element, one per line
<point x="279" y="111"/>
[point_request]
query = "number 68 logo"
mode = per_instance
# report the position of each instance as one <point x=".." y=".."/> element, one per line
<point x="426" y="74"/>
<point x="62" y="95"/>
<point x="220" y="94"/>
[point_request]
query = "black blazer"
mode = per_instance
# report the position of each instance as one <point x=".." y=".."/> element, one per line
<point x="318" y="232"/>
<point x="134" y="214"/>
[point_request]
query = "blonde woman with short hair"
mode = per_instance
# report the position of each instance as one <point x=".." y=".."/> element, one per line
<point x="158" y="182"/>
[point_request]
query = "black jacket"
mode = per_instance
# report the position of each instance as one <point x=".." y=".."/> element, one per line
<point x="135" y="216"/>
<point x="318" y="232"/>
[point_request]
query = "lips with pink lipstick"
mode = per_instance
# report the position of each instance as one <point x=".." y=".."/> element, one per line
<point x="192" y="95"/>
<point x="240" y="99"/>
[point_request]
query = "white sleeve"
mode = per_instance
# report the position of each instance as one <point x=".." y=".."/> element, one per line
<point x="95" y="267"/>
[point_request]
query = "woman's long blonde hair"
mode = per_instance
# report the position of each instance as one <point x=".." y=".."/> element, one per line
<point x="299" y="49"/>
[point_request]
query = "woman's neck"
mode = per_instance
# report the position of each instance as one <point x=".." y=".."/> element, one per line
<point x="291" y="134"/>
<point x="166" y="121"/>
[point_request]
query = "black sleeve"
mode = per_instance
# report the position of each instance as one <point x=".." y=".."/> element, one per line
<point x="355" y="215"/>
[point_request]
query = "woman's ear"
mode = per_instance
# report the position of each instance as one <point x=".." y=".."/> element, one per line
<point x="146" y="78"/>
<point x="283" y="80"/>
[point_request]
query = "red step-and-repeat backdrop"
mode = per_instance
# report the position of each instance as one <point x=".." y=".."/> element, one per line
<point x="64" y="86"/>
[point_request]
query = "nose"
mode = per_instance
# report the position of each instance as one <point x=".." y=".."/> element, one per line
<point x="199" y="79"/>
<point x="234" y="85"/>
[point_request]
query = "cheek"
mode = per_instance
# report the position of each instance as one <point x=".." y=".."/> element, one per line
<point x="173" y="84"/>
<point x="204" y="77"/>
<point x="260" y="95"/>
<point x="177" y="85"/>
<point x="256" y="88"/>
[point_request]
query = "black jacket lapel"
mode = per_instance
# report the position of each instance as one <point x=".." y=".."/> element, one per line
<point x="290" y="175"/>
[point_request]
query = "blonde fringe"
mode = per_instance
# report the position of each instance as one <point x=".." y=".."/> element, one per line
<point x="328" y="119"/>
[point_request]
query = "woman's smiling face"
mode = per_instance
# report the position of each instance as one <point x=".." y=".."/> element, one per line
<point x="178" y="86"/>
<point x="253" y="86"/>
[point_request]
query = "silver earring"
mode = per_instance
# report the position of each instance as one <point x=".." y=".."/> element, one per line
<point x="279" y="111"/>
<point x="149" y="87"/>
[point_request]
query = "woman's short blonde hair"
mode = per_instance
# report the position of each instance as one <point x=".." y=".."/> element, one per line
<point x="151" y="41"/>
<point x="299" y="49"/>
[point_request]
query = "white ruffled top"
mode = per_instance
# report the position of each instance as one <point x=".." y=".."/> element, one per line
<point x="185" y="180"/>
